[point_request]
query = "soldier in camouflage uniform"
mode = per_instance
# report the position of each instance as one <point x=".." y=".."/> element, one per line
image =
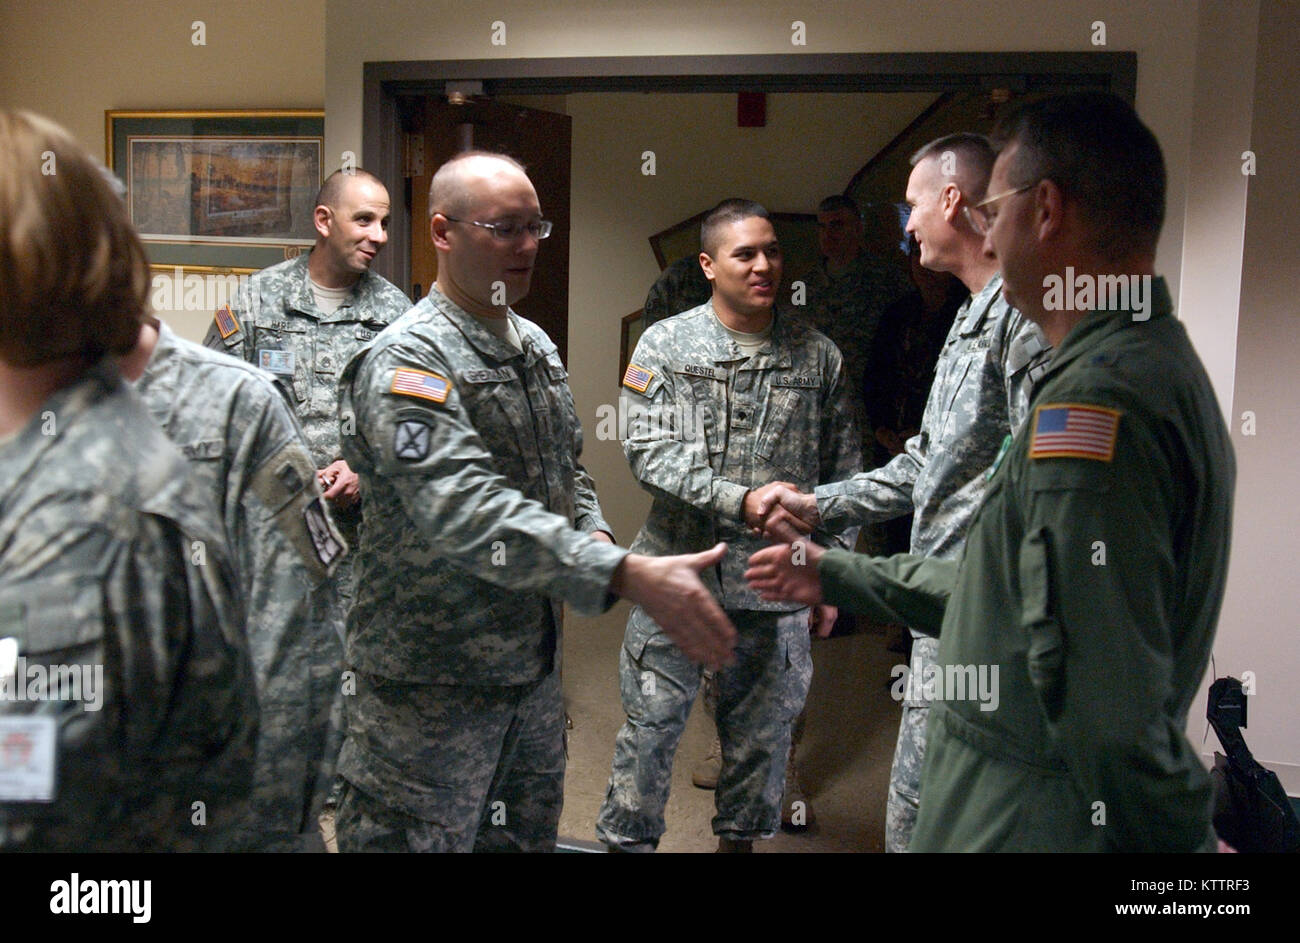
<point x="303" y="319"/>
<point x="247" y="451"/>
<point x="480" y="519"/>
<point x="847" y="292"/>
<point x="680" y="287"/>
<point x="980" y="395"/>
<point x="723" y="400"/>
<point x="112" y="568"/>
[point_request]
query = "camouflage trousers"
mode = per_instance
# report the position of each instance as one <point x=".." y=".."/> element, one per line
<point x="298" y="744"/>
<point x="451" y="767"/>
<point x="757" y="699"/>
<point x="905" y="775"/>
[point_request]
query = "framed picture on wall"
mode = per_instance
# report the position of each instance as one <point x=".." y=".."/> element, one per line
<point x="219" y="189"/>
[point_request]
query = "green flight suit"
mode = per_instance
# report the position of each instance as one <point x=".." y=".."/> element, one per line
<point x="1093" y="584"/>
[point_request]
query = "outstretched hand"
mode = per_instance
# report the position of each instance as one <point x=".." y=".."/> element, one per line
<point x="670" y="591"/>
<point x="787" y="573"/>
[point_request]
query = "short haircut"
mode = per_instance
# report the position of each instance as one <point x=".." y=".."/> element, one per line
<point x="447" y="193"/>
<point x="331" y="191"/>
<point x="1095" y="148"/>
<point x="972" y="161"/>
<point x="74" y="277"/>
<point x="724" y="214"/>
<point x="839" y="202"/>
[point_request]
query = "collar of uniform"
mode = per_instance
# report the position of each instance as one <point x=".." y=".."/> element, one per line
<point x="480" y="338"/>
<point x="25" y="448"/>
<point x="161" y="370"/>
<point x="775" y="353"/>
<point x="978" y="306"/>
<point x="304" y="299"/>
<point x="1096" y="326"/>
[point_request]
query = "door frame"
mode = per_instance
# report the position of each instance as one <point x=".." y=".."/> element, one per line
<point x="386" y="84"/>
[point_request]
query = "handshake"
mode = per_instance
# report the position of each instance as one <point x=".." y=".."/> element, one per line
<point x="780" y="512"/>
<point x="787" y="571"/>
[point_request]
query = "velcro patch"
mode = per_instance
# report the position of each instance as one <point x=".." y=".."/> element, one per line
<point x="637" y="378"/>
<point x="1071" y="430"/>
<point x="227" y="323"/>
<point x="417" y="383"/>
<point x="801" y="383"/>
<point x="411" y="440"/>
<point x="328" y="547"/>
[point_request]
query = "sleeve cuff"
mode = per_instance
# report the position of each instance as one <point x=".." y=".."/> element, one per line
<point x="728" y="500"/>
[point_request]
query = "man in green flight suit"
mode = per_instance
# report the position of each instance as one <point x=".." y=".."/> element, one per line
<point x="1094" y="570"/>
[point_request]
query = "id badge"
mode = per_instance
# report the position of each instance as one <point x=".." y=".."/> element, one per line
<point x="279" y="362"/>
<point x="27" y="751"/>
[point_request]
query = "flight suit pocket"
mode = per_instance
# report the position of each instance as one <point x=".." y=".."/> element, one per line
<point x="1045" y="652"/>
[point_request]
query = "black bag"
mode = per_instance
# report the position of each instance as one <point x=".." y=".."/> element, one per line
<point x="1251" y="810"/>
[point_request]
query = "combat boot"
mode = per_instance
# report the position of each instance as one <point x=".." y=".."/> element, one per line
<point x="706" y="771"/>
<point x="796" y="810"/>
<point x="734" y="846"/>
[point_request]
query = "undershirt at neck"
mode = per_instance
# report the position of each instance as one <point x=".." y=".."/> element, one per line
<point x="329" y="300"/>
<point x="503" y="328"/>
<point x="749" y="344"/>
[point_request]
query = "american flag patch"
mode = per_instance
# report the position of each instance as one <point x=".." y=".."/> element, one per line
<point x="637" y="378"/>
<point x="227" y="324"/>
<point x="428" y="386"/>
<point x="1068" y="430"/>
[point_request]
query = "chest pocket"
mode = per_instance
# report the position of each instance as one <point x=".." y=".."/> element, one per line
<point x="285" y="335"/>
<point x="699" y="415"/>
<point x="498" y="410"/>
<point x="789" y="433"/>
<point x="59" y="623"/>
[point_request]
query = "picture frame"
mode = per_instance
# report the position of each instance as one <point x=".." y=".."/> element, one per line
<point x="219" y="189"/>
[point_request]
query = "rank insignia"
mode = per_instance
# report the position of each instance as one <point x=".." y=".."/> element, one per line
<point x="637" y="378"/>
<point x="1069" y="430"/>
<point x="430" y="386"/>
<point x="411" y="443"/>
<point x="227" y="323"/>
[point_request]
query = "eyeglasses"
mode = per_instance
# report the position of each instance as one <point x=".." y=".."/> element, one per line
<point x="538" y="228"/>
<point x="980" y="219"/>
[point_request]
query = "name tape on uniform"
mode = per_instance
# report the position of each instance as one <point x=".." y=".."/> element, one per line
<point x="1072" y="430"/>
<point x="417" y="383"/>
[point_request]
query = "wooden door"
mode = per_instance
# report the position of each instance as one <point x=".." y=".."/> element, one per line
<point x="541" y="141"/>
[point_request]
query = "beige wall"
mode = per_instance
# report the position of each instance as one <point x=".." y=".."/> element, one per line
<point x="72" y="60"/>
<point x="1257" y="632"/>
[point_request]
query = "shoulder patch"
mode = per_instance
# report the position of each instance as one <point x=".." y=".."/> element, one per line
<point x="1072" y="430"/>
<point x="411" y="441"/>
<point x="323" y="537"/>
<point x="637" y="378"/>
<point x="227" y="323"/>
<point x="422" y="385"/>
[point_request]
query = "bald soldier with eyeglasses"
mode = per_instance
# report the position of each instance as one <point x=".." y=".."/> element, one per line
<point x="480" y="523"/>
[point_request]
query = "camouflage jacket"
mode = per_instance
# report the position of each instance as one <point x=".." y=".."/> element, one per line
<point x="980" y="396"/>
<point x="109" y="559"/>
<point x="477" y="508"/>
<point x="275" y="324"/>
<point x="705" y="424"/>
<point x="246" y="450"/>
<point x="847" y="308"/>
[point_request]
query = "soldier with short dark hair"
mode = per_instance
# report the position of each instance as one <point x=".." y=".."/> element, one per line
<point x="737" y="399"/>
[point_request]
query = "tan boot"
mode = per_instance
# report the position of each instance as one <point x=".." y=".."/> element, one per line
<point x="706" y="771"/>
<point x="796" y="810"/>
